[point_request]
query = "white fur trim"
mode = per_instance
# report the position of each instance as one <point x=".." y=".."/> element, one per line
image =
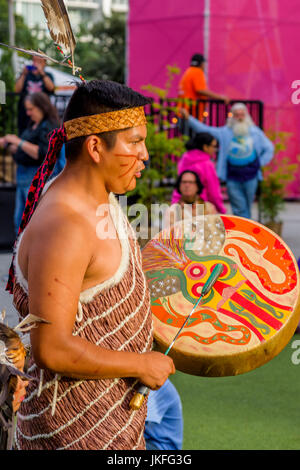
<point x="18" y="273"/>
<point x="48" y="184"/>
<point x="119" y="221"/>
<point x="79" y="315"/>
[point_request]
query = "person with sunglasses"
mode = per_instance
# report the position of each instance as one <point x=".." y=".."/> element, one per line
<point x="201" y="151"/>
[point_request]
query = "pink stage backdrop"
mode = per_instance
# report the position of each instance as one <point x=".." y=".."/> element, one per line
<point x="251" y="47"/>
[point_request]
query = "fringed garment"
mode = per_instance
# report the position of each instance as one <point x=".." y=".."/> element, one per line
<point x="63" y="413"/>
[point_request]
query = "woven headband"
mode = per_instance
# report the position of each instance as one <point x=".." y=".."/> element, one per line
<point x="105" y="122"/>
<point x="83" y="126"/>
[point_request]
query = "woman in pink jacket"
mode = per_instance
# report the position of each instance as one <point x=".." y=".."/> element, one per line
<point x="198" y="158"/>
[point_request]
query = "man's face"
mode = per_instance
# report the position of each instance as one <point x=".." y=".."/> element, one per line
<point x="121" y="165"/>
<point x="239" y="115"/>
<point x="240" y="124"/>
<point x="39" y="63"/>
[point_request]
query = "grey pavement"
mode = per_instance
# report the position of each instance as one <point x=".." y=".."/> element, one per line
<point x="291" y="235"/>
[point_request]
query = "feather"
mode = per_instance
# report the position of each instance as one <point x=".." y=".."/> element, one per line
<point x="39" y="54"/>
<point x="59" y="26"/>
<point x="11" y="346"/>
<point x="30" y="321"/>
<point x="12" y="349"/>
<point x="12" y="360"/>
<point x="168" y="251"/>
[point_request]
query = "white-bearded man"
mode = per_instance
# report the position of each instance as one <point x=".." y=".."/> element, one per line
<point x="243" y="150"/>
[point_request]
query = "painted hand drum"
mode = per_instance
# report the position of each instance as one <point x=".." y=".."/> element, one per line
<point x="249" y="315"/>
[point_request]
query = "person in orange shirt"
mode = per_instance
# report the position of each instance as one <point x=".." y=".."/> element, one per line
<point x="193" y="86"/>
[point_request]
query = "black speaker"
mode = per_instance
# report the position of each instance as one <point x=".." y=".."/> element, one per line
<point x="7" y="206"/>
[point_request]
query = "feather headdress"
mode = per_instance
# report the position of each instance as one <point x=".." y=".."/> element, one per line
<point x="59" y="26"/>
<point x="40" y="54"/>
<point x="61" y="32"/>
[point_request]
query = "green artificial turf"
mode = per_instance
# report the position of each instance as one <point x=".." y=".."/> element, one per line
<point x="258" y="410"/>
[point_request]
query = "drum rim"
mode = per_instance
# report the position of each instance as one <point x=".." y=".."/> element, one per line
<point x="239" y="363"/>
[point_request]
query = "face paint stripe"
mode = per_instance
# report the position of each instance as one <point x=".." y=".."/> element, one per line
<point x="130" y="168"/>
<point x="125" y="156"/>
<point x="129" y="183"/>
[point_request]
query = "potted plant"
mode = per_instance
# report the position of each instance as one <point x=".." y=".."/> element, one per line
<point x="276" y="177"/>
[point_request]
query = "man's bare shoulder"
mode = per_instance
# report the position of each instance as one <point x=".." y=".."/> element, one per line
<point x="59" y="226"/>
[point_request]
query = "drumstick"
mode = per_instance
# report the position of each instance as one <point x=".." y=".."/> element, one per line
<point x="137" y="400"/>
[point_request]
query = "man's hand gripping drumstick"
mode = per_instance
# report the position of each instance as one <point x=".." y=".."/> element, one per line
<point x="138" y="398"/>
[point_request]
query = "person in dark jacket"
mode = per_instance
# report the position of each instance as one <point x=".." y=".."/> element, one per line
<point x="29" y="150"/>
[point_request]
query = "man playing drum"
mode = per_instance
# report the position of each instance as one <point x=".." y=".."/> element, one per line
<point x="78" y="267"/>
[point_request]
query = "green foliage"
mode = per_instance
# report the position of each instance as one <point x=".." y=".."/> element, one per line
<point x="100" y="51"/>
<point x="156" y="183"/>
<point x="277" y="175"/>
<point x="162" y="93"/>
<point x="23" y="38"/>
<point x="6" y="70"/>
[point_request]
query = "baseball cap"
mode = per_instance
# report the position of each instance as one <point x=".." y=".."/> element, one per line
<point x="197" y="59"/>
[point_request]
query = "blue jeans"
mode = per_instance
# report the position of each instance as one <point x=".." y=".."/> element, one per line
<point x="24" y="178"/>
<point x="164" y="422"/>
<point x="241" y="196"/>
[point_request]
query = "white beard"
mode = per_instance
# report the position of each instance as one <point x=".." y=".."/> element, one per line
<point x="240" y="129"/>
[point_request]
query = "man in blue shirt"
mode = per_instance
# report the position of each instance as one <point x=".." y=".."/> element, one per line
<point x="243" y="150"/>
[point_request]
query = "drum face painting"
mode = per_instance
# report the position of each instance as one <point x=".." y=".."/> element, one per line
<point x="249" y="315"/>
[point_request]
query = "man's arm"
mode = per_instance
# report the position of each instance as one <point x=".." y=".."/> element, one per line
<point x="200" y="87"/>
<point x="213" y="95"/>
<point x="58" y="261"/>
<point x="199" y="126"/>
<point x="267" y="149"/>
<point x="27" y="147"/>
<point x="48" y="82"/>
<point x="19" y="85"/>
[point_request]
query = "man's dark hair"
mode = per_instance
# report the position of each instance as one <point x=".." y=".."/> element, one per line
<point x="197" y="60"/>
<point x="198" y="181"/>
<point x="199" y="140"/>
<point x="97" y="97"/>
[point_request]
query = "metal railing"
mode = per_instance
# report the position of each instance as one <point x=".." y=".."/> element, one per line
<point x="164" y="114"/>
<point x="210" y="112"/>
